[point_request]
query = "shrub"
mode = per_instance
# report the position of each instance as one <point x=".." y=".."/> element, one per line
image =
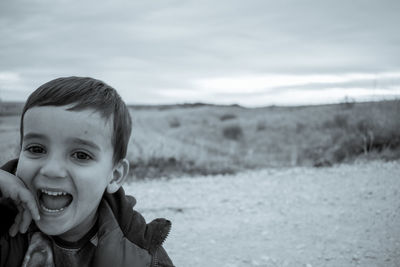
<point x="348" y="147"/>
<point x="233" y="132"/>
<point x="348" y="103"/>
<point x="174" y="123"/>
<point x="168" y="167"/>
<point x="227" y="117"/>
<point x="362" y="136"/>
<point x="300" y="127"/>
<point x="338" y="121"/>
<point x="261" y="126"/>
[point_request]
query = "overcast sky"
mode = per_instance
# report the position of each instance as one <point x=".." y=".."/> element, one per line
<point x="252" y="53"/>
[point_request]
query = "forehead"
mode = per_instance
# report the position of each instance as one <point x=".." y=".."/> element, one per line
<point x="58" y="122"/>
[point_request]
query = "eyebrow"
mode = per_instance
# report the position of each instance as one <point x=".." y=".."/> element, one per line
<point x="34" y="135"/>
<point x="75" y="140"/>
<point x="84" y="142"/>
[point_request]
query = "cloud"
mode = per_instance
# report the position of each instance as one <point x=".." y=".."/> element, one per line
<point x="11" y="79"/>
<point x="266" y="83"/>
<point x="301" y="88"/>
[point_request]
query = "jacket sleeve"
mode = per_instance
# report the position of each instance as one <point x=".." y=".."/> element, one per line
<point x="8" y="210"/>
<point x="161" y="258"/>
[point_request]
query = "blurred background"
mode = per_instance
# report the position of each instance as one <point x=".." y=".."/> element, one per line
<point x="263" y="95"/>
<point x="220" y="87"/>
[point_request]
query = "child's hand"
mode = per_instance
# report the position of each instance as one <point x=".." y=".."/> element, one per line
<point x="12" y="187"/>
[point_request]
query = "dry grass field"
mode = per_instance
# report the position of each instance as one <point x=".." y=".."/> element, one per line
<point x="204" y="139"/>
<point x="218" y="140"/>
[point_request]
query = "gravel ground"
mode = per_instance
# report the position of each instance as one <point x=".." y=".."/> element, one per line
<point x="348" y="215"/>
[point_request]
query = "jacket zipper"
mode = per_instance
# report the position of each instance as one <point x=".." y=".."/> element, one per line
<point x="155" y="259"/>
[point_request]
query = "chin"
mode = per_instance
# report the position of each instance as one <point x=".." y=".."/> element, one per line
<point x="51" y="228"/>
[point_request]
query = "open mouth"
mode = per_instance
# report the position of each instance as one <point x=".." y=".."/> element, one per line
<point x="54" y="201"/>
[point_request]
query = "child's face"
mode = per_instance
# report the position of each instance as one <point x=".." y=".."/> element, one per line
<point x="66" y="161"/>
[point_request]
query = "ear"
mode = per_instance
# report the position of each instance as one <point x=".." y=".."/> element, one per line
<point x="120" y="172"/>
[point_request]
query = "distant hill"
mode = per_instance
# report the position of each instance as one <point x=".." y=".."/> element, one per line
<point x="15" y="108"/>
<point x="177" y="106"/>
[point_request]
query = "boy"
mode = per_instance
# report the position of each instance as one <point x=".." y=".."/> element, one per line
<point x="67" y="179"/>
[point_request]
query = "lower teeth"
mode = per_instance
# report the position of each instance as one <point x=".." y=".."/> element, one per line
<point x="49" y="210"/>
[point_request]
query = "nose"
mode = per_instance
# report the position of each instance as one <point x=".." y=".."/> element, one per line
<point x="53" y="167"/>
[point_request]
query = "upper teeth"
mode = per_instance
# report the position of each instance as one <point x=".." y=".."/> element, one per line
<point x="52" y="193"/>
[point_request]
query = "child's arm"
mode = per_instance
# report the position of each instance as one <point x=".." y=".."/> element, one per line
<point x="12" y="187"/>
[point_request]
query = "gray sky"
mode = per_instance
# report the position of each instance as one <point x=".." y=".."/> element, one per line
<point x="253" y="53"/>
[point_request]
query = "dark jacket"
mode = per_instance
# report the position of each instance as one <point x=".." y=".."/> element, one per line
<point x="124" y="238"/>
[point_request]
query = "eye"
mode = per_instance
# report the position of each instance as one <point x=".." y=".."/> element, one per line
<point x="34" y="149"/>
<point x="81" y="156"/>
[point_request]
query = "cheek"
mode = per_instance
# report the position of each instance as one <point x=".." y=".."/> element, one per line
<point x="88" y="197"/>
<point x="91" y="183"/>
<point x="26" y="170"/>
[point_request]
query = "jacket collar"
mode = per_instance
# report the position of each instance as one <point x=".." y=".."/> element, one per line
<point x="133" y="225"/>
<point x="124" y="238"/>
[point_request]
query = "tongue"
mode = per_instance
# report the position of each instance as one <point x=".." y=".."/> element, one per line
<point x="55" y="202"/>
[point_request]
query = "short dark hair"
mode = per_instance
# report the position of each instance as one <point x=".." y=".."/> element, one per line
<point x="86" y="93"/>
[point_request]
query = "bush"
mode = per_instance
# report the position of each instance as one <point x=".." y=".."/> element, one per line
<point x="339" y="121"/>
<point x="155" y="167"/>
<point x="261" y="126"/>
<point x="233" y="132"/>
<point x="360" y="137"/>
<point x="168" y="167"/>
<point x="174" y="123"/>
<point x="347" y="103"/>
<point x="227" y="117"/>
<point x="300" y="127"/>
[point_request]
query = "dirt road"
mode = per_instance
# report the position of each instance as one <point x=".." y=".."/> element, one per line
<point x="346" y="215"/>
